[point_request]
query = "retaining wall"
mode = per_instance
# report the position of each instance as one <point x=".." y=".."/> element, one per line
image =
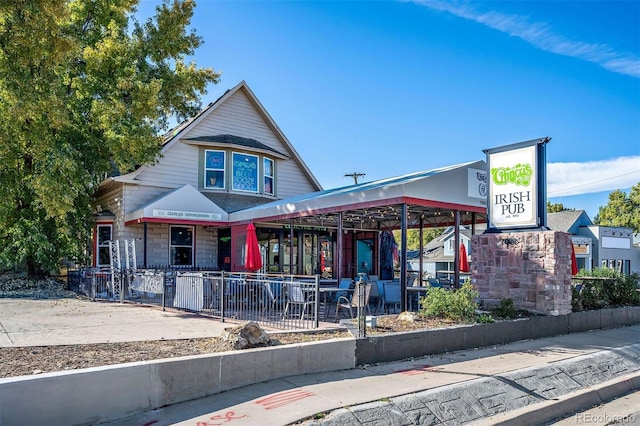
<point x="397" y="346"/>
<point x="95" y="395"/>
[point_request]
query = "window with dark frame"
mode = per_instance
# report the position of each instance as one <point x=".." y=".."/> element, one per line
<point x="214" y="165"/>
<point x="103" y="233"/>
<point x="244" y="172"/>
<point x="181" y="245"/>
<point x="269" y="187"/>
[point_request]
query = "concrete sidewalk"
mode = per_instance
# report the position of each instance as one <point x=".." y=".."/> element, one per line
<point x="559" y="374"/>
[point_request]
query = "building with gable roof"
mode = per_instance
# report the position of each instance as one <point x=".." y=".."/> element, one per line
<point x="231" y="165"/>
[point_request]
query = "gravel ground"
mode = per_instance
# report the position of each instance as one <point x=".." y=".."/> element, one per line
<point x="42" y="359"/>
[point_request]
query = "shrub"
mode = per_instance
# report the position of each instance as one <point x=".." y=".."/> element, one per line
<point x="457" y="305"/>
<point x="611" y="289"/>
<point x="506" y="309"/>
<point x="485" y="319"/>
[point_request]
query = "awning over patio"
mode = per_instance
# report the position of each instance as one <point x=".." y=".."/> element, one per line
<point x="185" y="205"/>
<point x="374" y="204"/>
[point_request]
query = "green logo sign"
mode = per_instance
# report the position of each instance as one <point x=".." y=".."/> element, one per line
<point x="520" y="175"/>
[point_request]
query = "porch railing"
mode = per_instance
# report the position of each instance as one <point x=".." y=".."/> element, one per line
<point x="274" y="300"/>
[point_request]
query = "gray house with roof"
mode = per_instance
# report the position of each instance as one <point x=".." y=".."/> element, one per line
<point x="595" y="245"/>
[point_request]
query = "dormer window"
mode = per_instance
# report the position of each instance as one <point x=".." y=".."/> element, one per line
<point x="236" y="164"/>
<point x="244" y="173"/>
<point x="214" y="169"/>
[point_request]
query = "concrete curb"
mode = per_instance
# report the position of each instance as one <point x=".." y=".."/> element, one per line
<point x="575" y="401"/>
<point x="107" y="393"/>
<point x="396" y="346"/>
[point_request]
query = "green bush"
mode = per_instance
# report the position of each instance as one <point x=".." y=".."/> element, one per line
<point x="485" y="319"/>
<point x="506" y="309"/>
<point x="457" y="305"/>
<point x="615" y="289"/>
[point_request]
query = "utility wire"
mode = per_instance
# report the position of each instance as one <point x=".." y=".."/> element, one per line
<point x="596" y="181"/>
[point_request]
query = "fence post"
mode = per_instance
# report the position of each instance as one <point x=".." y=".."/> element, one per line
<point x="223" y="296"/>
<point x="362" y="320"/>
<point x="93" y="290"/>
<point x="123" y="283"/>
<point x="316" y="298"/>
<point x="164" y="289"/>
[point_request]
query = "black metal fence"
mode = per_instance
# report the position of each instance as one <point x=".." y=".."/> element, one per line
<point x="274" y="300"/>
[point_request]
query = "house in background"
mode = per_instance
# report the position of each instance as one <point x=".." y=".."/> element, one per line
<point x="229" y="157"/>
<point x="595" y="245"/>
<point x="438" y="256"/>
<point x="571" y="221"/>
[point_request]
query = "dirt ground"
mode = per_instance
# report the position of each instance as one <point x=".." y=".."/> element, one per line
<point x="18" y="361"/>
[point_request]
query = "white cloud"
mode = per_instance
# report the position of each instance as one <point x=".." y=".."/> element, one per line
<point x="540" y="35"/>
<point x="565" y="179"/>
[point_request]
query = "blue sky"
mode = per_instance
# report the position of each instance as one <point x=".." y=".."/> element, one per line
<point x="389" y="88"/>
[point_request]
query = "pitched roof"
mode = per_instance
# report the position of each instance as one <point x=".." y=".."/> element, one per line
<point x="232" y="140"/>
<point x="445" y="187"/>
<point x="173" y="136"/>
<point x="568" y="221"/>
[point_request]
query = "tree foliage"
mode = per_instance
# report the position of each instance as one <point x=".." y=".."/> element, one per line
<point x="556" y="207"/>
<point x="84" y="88"/>
<point x="621" y="210"/>
<point x="413" y="237"/>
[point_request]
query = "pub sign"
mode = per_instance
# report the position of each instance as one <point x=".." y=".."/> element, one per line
<point x="517" y="185"/>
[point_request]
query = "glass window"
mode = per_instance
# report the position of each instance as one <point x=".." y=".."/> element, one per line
<point x="268" y="176"/>
<point x="181" y="245"/>
<point x="103" y="233"/>
<point x="245" y="172"/>
<point x="214" y="169"/>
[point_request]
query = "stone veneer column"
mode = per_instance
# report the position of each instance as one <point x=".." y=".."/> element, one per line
<point x="532" y="268"/>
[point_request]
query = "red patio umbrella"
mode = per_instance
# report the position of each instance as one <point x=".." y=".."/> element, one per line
<point x="252" y="256"/>
<point x="464" y="262"/>
<point x="574" y="261"/>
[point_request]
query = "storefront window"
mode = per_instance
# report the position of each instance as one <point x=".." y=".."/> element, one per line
<point x="181" y="245"/>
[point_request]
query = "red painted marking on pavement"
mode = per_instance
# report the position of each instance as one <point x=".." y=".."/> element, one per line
<point x="221" y="418"/>
<point x="284" y="398"/>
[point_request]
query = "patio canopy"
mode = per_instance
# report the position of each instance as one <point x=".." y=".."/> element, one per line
<point x="185" y="205"/>
<point x="430" y="196"/>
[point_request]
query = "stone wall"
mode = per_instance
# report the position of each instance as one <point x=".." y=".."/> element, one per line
<point x="531" y="268"/>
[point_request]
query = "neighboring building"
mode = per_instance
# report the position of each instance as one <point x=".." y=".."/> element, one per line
<point x="438" y="256"/>
<point x="596" y="245"/>
<point x="230" y="157"/>
<point x="571" y="221"/>
<point x="612" y="247"/>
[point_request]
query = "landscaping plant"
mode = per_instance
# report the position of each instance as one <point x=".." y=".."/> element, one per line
<point x="457" y="305"/>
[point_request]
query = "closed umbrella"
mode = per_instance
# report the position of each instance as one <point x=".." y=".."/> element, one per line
<point x="464" y="262"/>
<point x="252" y="256"/>
<point x="388" y="254"/>
<point x="574" y="261"/>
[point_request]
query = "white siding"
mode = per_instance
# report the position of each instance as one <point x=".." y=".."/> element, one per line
<point x="178" y="167"/>
<point x="236" y="116"/>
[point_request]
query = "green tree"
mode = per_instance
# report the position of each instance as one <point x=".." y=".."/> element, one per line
<point x="621" y="210"/>
<point x="556" y="207"/>
<point x="85" y="89"/>
<point x="413" y="237"/>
